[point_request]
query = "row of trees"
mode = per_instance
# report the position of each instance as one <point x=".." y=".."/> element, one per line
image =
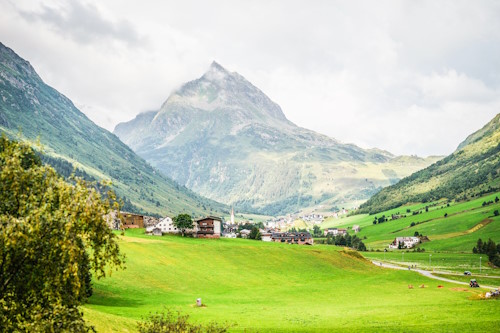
<point x="489" y="248"/>
<point x="350" y="241"/>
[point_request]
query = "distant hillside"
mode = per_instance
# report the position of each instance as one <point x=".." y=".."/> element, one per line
<point x="474" y="168"/>
<point x="70" y="139"/>
<point x="222" y="137"/>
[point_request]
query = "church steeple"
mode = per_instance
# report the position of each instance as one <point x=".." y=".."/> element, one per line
<point x="232" y="215"/>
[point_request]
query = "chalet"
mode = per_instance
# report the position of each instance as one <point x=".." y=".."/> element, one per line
<point x="331" y="231"/>
<point x="244" y="233"/>
<point x="301" y="238"/>
<point x="266" y="236"/>
<point x="165" y="225"/>
<point x="404" y="242"/>
<point x="356" y="228"/>
<point x="131" y="220"/>
<point x="208" y="227"/>
<point x="335" y="232"/>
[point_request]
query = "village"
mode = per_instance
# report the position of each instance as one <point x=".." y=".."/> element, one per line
<point x="273" y="230"/>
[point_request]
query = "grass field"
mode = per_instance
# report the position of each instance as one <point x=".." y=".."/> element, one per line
<point x="458" y="232"/>
<point x="438" y="261"/>
<point x="278" y="288"/>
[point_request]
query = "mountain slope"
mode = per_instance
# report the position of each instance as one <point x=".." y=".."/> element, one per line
<point x="224" y="138"/>
<point x="472" y="169"/>
<point x="28" y="105"/>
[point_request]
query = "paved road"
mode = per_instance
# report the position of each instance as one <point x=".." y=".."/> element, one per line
<point x="425" y="273"/>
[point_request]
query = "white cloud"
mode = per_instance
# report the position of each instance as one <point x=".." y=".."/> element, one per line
<point x="390" y="74"/>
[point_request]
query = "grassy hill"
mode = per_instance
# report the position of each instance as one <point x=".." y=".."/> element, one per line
<point x="32" y="108"/>
<point x="268" y="287"/>
<point x="459" y="231"/>
<point x="474" y="168"/>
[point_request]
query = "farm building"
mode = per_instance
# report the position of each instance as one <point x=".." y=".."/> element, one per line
<point x="131" y="220"/>
<point x="406" y="242"/>
<point x="165" y="225"/>
<point x="356" y="228"/>
<point x="302" y="238"/>
<point x="266" y="236"/>
<point x="208" y="227"/>
<point x="335" y="232"/>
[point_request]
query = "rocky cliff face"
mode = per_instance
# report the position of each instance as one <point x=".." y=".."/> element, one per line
<point x="224" y="138"/>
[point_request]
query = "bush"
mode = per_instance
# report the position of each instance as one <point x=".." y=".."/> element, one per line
<point x="177" y="323"/>
<point x="496" y="212"/>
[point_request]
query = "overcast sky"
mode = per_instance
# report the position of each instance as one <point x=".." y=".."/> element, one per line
<point x="411" y="77"/>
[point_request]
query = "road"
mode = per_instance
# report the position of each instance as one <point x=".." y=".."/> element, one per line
<point x="425" y="273"/>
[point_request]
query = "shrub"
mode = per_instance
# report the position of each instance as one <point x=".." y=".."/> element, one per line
<point x="177" y="323"/>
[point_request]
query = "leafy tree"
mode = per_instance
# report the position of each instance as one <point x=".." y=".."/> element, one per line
<point x="480" y="245"/>
<point x="183" y="222"/>
<point x="496" y="199"/>
<point x="317" y="231"/>
<point x="255" y="234"/>
<point x="496" y="213"/>
<point x="46" y="227"/>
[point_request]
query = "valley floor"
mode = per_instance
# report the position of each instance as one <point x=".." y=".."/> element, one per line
<point x="274" y="287"/>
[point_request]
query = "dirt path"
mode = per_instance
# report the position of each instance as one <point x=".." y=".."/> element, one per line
<point x="425" y="273"/>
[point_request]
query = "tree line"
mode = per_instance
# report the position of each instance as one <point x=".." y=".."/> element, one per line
<point x="489" y="248"/>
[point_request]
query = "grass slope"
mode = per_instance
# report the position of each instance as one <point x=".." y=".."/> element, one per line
<point x="39" y="111"/>
<point x="277" y="288"/>
<point x="473" y="168"/>
<point x="458" y="232"/>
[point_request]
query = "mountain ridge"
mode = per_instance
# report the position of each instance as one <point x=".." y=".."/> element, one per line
<point x="472" y="169"/>
<point x="224" y="138"/>
<point x="67" y="134"/>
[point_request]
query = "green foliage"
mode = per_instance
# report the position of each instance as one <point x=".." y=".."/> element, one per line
<point x="168" y="322"/>
<point x="317" y="231"/>
<point x="46" y="225"/>
<point x="350" y="241"/>
<point x="489" y="248"/>
<point x="255" y="234"/>
<point x="183" y="222"/>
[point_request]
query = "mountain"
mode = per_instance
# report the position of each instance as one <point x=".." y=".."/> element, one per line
<point x="222" y="137"/>
<point x="473" y="169"/>
<point x="32" y="108"/>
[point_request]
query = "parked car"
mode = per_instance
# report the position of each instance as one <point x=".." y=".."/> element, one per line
<point x="467" y="273"/>
<point x="473" y="283"/>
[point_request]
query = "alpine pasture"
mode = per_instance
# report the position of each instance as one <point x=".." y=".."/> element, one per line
<point x="270" y="287"/>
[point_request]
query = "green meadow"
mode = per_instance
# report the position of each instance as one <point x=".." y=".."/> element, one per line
<point x="270" y="287"/>
<point x="459" y="231"/>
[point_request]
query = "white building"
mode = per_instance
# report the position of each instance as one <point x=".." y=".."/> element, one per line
<point x="406" y="242"/>
<point x="165" y="225"/>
